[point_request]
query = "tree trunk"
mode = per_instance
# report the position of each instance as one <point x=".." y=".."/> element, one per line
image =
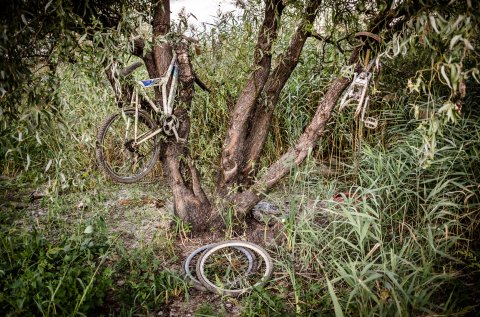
<point x="190" y="202"/>
<point x="265" y="107"/>
<point x="245" y="201"/>
<point x="233" y="153"/>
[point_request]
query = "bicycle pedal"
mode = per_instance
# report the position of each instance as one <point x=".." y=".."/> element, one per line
<point x="370" y="123"/>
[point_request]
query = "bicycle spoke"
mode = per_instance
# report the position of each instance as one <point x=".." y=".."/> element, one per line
<point x="228" y="268"/>
<point x="121" y="156"/>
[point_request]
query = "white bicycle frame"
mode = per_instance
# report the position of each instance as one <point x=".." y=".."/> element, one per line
<point x="357" y="91"/>
<point x="167" y="100"/>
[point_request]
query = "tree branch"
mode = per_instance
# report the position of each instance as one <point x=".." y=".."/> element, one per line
<point x="200" y="83"/>
<point x="129" y="69"/>
<point x="324" y="39"/>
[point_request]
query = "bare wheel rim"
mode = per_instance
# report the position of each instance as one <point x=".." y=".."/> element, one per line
<point x="257" y="279"/>
<point x="195" y="282"/>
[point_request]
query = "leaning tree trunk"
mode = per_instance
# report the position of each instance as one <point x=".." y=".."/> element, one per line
<point x="286" y="63"/>
<point x="244" y="201"/>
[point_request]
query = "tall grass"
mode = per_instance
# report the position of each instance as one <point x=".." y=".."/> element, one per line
<point x="389" y="244"/>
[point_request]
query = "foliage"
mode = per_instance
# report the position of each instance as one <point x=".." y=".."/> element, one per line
<point x="73" y="259"/>
<point x="388" y="244"/>
<point x="58" y="149"/>
<point x="40" y="40"/>
<point x="40" y="277"/>
<point x="145" y="285"/>
<point x="447" y="35"/>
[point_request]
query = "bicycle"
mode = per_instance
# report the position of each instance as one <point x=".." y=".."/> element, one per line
<point x="358" y="89"/>
<point x="128" y="142"/>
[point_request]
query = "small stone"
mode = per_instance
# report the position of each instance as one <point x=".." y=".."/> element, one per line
<point x="81" y="205"/>
<point x="266" y="212"/>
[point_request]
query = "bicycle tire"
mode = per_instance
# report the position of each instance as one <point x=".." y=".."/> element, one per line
<point x="200" y="270"/>
<point x="195" y="282"/>
<point x="106" y="153"/>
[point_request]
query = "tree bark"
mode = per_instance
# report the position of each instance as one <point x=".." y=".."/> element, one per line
<point x="162" y="53"/>
<point x="265" y="107"/>
<point x="245" y="201"/>
<point x="190" y="202"/>
<point x="232" y="155"/>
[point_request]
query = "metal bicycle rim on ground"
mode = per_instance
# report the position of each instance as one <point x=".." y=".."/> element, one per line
<point x="250" y="250"/>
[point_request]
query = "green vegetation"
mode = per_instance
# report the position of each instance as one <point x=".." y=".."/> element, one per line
<point x="391" y="229"/>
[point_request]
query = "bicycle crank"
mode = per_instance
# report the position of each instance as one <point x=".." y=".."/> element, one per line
<point x="170" y="127"/>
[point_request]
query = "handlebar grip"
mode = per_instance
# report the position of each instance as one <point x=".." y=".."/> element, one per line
<point x="129" y="69"/>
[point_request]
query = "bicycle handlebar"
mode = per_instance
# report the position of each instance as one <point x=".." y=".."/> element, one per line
<point x="129" y="69"/>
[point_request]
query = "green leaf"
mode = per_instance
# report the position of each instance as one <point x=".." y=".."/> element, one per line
<point x="468" y="45"/>
<point x="433" y="23"/>
<point x="88" y="229"/>
<point x="454" y="40"/>
<point x="47" y="5"/>
<point x="444" y="74"/>
<point x="336" y="303"/>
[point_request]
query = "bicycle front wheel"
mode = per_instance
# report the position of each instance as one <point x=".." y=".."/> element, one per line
<point x="118" y="155"/>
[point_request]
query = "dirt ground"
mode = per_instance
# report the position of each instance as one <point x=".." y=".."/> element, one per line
<point x="141" y="213"/>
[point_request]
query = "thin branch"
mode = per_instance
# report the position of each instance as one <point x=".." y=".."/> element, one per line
<point x="201" y="84"/>
<point x="324" y="39"/>
<point x="129" y="69"/>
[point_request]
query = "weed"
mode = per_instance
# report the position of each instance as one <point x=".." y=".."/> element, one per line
<point x="44" y="278"/>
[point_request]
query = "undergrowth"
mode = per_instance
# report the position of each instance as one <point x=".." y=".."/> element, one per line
<point x="72" y="256"/>
<point x="395" y="239"/>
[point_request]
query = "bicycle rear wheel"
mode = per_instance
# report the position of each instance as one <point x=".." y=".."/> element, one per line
<point x="117" y="154"/>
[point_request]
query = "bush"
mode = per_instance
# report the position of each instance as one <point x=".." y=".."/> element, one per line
<point x="41" y="277"/>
